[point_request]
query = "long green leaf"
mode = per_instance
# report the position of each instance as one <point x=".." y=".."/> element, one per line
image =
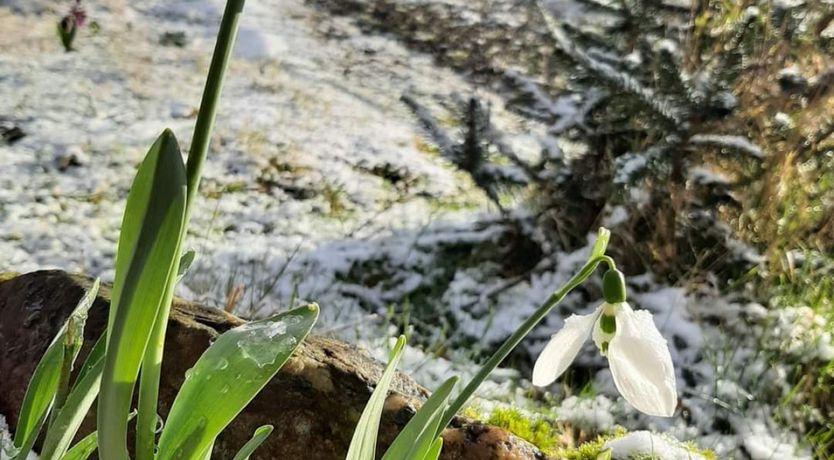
<point x="60" y="435"/>
<point x="258" y="438"/>
<point x="363" y="444"/>
<point x="227" y="377"/>
<point x="73" y="340"/>
<point x="147" y="254"/>
<point x="45" y="382"/>
<point x="416" y="439"/>
<point x="29" y="443"/>
<point x="96" y="354"/>
<point x="83" y="449"/>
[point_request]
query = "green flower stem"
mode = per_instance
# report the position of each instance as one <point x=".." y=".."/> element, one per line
<point x="146" y="417"/>
<point x="152" y="362"/>
<point x="63" y="382"/>
<point x="211" y="96"/>
<point x="519" y="335"/>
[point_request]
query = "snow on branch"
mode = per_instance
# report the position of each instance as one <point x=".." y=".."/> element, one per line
<point x="739" y="143"/>
<point x="658" y="104"/>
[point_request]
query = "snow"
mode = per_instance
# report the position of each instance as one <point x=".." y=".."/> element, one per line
<point x="640" y="443"/>
<point x="739" y="143"/>
<point x="703" y="176"/>
<point x="7" y="449"/>
<point x="784" y="121"/>
<point x="760" y="444"/>
<point x="587" y="413"/>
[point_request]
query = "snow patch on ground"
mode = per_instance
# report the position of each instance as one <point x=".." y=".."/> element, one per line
<point x="7" y="449"/>
<point x="641" y="443"/>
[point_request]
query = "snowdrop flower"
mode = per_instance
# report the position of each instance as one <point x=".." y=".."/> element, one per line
<point x="637" y="354"/>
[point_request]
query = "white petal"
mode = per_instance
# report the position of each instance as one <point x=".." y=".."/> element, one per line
<point x="563" y="348"/>
<point x="641" y="364"/>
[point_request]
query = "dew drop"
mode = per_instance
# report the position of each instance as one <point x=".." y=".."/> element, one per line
<point x="222" y="364"/>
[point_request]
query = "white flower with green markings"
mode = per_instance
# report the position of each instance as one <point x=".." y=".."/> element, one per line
<point x="637" y="354"/>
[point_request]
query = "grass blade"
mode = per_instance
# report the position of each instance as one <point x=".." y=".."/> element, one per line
<point x="416" y="439"/>
<point x="258" y="438"/>
<point x="148" y="252"/>
<point x="232" y="370"/>
<point x="45" y="383"/>
<point x="363" y="444"/>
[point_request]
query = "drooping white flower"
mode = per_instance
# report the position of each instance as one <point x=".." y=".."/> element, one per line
<point x="637" y="354"/>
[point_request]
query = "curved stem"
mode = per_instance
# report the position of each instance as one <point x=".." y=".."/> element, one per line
<point x="519" y="335"/>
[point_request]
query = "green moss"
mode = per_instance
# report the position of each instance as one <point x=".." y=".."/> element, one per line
<point x="590" y="450"/>
<point x="542" y="433"/>
<point x="536" y="431"/>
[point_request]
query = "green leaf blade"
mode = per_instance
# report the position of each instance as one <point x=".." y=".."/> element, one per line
<point x="416" y="439"/>
<point x="233" y="370"/>
<point x="147" y="254"/>
<point x="258" y="438"/>
<point x="83" y="449"/>
<point x="46" y="380"/>
<point x="60" y="435"/>
<point x="434" y="452"/>
<point x="363" y="444"/>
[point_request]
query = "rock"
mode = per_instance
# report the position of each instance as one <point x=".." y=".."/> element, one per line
<point x="10" y="133"/>
<point x="73" y="157"/>
<point x="176" y="38"/>
<point x="313" y="402"/>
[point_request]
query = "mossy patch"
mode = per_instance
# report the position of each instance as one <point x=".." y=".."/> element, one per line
<point x="550" y="436"/>
<point x="595" y="450"/>
<point x="535" y="430"/>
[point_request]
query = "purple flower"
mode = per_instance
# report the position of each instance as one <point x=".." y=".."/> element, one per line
<point x="78" y="14"/>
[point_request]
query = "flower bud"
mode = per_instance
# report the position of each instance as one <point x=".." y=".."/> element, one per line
<point x="613" y="287"/>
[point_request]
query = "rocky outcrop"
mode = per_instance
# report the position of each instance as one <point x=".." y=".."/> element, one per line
<point x="313" y="402"/>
